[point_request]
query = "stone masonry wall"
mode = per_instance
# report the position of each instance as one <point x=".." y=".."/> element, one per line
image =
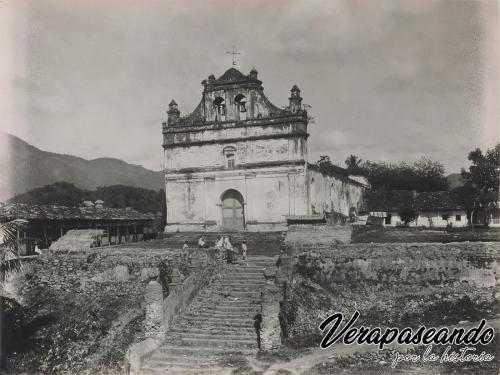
<point x="113" y="271"/>
<point x="390" y="284"/>
<point x="423" y="263"/>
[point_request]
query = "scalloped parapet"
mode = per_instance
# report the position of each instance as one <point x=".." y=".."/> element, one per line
<point x="233" y="97"/>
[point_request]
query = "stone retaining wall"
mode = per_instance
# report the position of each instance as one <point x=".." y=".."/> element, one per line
<point x="390" y="284"/>
<point x="432" y="263"/>
<point x="105" y="271"/>
<point x="315" y="236"/>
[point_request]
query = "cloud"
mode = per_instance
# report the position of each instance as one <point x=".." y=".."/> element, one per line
<point x="385" y="79"/>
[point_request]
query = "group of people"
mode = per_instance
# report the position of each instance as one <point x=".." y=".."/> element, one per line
<point x="223" y="244"/>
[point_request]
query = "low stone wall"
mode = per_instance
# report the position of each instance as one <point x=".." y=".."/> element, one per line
<point x="316" y="236"/>
<point x="103" y="271"/>
<point x="432" y="263"/>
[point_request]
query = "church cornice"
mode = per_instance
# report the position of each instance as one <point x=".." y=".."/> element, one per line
<point x="217" y="125"/>
<point x="258" y="165"/>
<point x="183" y="143"/>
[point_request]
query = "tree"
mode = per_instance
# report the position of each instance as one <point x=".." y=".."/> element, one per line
<point x="114" y="196"/>
<point x="9" y="246"/>
<point x="465" y="196"/>
<point x="430" y="175"/>
<point x="353" y="163"/>
<point x="62" y="193"/>
<point x="407" y="214"/>
<point x="423" y="175"/>
<point x="483" y="177"/>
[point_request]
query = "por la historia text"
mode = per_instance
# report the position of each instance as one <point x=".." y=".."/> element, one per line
<point x="406" y="336"/>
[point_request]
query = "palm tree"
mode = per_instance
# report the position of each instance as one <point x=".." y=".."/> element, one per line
<point x="353" y="162"/>
<point x="9" y="246"/>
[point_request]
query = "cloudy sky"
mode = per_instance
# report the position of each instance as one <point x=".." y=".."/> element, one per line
<point x="386" y="79"/>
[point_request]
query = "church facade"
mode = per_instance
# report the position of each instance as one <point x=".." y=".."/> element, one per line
<point x="238" y="162"/>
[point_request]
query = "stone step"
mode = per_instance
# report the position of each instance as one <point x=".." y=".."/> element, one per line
<point x="221" y="310"/>
<point x="199" y="352"/>
<point x="247" y="276"/>
<point x="234" y="289"/>
<point x="183" y="358"/>
<point x="239" y="279"/>
<point x="216" y="325"/>
<point x="181" y="371"/>
<point x="208" y="319"/>
<point x="233" y="315"/>
<point x="250" y="264"/>
<point x="178" y="370"/>
<point x="249" y="294"/>
<point x="188" y="362"/>
<point x="244" y="269"/>
<point x="220" y="343"/>
<point x="257" y="282"/>
<point x="181" y="337"/>
<point x="212" y="331"/>
<point x="226" y="301"/>
<point x="217" y="309"/>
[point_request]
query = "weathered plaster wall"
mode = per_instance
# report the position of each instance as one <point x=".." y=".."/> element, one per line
<point x="431" y="219"/>
<point x="211" y="156"/>
<point x="269" y="195"/>
<point x="333" y="194"/>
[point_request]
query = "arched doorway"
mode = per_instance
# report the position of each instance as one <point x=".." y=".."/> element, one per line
<point x="232" y="210"/>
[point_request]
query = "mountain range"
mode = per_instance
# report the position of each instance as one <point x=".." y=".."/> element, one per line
<point x="24" y="167"/>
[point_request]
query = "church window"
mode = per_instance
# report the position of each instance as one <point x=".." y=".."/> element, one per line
<point x="230" y="156"/>
<point x="241" y="105"/>
<point x="230" y="160"/>
<point x="220" y="109"/>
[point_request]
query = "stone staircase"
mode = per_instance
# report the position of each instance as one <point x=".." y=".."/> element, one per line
<point x="218" y="323"/>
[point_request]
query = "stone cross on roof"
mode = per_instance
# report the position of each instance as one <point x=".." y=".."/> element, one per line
<point x="234" y="53"/>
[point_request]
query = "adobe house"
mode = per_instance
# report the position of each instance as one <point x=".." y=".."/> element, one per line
<point x="46" y="223"/>
<point x="239" y="162"/>
<point x="435" y="209"/>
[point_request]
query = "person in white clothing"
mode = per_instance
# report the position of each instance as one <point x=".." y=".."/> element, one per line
<point x="244" y="249"/>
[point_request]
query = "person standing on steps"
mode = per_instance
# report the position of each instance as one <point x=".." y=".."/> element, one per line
<point x="244" y="249"/>
<point x="229" y="250"/>
<point x="257" y="324"/>
<point x="201" y="242"/>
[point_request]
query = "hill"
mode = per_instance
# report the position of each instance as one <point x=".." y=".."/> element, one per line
<point x="24" y="167"/>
